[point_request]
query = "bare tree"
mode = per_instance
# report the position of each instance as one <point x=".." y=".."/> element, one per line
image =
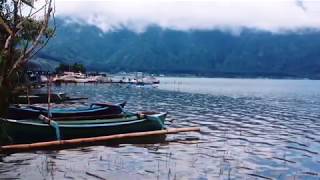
<point x="25" y="30"/>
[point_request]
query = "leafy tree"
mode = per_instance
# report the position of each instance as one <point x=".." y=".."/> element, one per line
<point x="79" y="68"/>
<point x="76" y="67"/>
<point x="24" y="30"/>
<point x="61" y="68"/>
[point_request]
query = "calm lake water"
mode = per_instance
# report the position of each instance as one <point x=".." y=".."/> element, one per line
<point x="250" y="129"/>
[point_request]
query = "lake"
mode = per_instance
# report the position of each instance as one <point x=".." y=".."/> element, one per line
<point x="250" y="129"/>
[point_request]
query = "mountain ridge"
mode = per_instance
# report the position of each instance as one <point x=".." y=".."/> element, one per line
<point x="251" y="53"/>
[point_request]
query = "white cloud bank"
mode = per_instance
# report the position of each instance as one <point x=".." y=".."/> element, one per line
<point x="272" y="15"/>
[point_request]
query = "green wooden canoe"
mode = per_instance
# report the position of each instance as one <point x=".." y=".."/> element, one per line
<point x="36" y="130"/>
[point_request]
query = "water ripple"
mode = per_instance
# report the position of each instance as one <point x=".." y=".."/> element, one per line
<point x="258" y="129"/>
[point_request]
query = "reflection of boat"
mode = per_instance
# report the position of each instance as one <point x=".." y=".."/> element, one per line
<point x="38" y="98"/>
<point x="35" y="130"/>
<point x="33" y="112"/>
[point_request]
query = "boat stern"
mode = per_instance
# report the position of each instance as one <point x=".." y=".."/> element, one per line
<point x="159" y="118"/>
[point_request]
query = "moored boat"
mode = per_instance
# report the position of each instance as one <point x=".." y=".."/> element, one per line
<point x="37" y="130"/>
<point x="40" y="98"/>
<point x="32" y="112"/>
<point x="72" y="77"/>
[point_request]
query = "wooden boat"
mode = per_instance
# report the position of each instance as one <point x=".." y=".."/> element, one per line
<point x="40" y="98"/>
<point x="97" y="109"/>
<point x="37" y="130"/>
<point x="126" y="116"/>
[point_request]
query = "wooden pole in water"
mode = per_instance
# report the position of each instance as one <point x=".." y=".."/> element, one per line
<point x="49" y="96"/>
<point x="28" y="98"/>
<point x="81" y="141"/>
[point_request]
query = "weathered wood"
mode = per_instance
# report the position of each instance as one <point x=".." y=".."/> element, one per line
<point x="108" y="116"/>
<point x="71" y="118"/>
<point x="81" y="141"/>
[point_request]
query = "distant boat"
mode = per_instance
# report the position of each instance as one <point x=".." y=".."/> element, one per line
<point x="146" y="79"/>
<point x="40" y="98"/>
<point x="135" y="78"/>
<point x="37" y="130"/>
<point x="72" y="77"/>
<point x="143" y="86"/>
<point x="150" y="80"/>
<point x="43" y="79"/>
<point x="33" y="112"/>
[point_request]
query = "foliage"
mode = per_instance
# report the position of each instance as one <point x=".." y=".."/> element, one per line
<point x="76" y="67"/>
<point x="23" y="33"/>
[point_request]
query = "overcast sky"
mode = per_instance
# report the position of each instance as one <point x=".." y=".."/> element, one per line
<point x="273" y="15"/>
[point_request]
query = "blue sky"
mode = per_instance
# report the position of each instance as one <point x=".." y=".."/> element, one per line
<point x="272" y="15"/>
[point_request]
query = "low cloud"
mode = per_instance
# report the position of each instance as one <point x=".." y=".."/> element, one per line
<point x="271" y="15"/>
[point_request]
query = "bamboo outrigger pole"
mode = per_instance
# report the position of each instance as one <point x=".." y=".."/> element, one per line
<point x="82" y="141"/>
<point x="49" y="97"/>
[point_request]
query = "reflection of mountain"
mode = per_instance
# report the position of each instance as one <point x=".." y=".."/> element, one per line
<point x="212" y="52"/>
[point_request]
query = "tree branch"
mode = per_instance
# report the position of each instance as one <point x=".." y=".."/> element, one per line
<point x="7" y="28"/>
<point x="34" y="47"/>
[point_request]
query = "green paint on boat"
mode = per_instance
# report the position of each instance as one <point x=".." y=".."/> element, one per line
<point x="36" y="130"/>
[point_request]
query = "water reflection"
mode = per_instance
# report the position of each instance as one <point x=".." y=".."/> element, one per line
<point x="253" y="129"/>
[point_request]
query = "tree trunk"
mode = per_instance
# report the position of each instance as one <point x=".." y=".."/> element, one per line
<point x="4" y="100"/>
<point x="5" y="93"/>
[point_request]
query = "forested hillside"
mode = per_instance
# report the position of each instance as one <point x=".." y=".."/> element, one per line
<point x="211" y="52"/>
